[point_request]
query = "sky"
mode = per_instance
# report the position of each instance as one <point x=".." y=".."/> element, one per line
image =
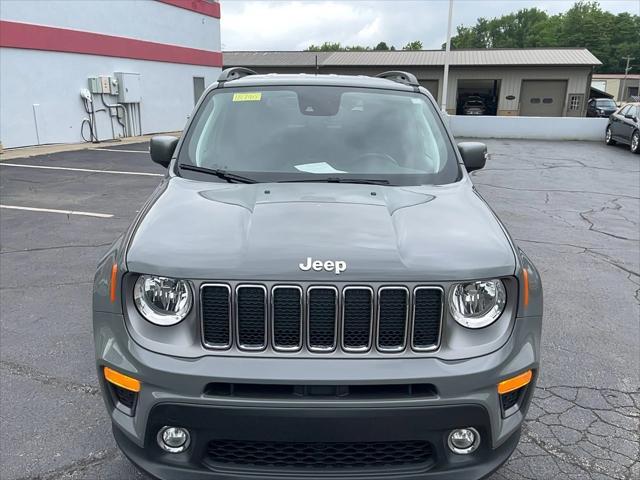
<point x="294" y="25"/>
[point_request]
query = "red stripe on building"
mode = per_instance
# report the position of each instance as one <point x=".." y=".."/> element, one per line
<point x="40" y="37"/>
<point x="211" y="9"/>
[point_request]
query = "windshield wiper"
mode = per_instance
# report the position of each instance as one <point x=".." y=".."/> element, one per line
<point x="229" y="177"/>
<point x="370" y="181"/>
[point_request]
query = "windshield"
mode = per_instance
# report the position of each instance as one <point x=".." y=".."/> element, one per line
<point x="316" y="133"/>
<point x="606" y="102"/>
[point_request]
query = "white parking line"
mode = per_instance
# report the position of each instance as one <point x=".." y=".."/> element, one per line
<point x="53" y="210"/>
<point x="72" y="169"/>
<point x="116" y="150"/>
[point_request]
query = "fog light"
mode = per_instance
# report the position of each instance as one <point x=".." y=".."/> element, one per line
<point x="464" y="440"/>
<point x="174" y="439"/>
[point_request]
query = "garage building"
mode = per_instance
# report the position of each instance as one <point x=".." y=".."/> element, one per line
<point x="546" y="82"/>
<point x="100" y="70"/>
<point x="621" y="87"/>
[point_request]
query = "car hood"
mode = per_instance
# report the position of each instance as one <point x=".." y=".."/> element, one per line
<point x="264" y="231"/>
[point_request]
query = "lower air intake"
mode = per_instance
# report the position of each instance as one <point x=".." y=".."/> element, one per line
<point x="316" y="455"/>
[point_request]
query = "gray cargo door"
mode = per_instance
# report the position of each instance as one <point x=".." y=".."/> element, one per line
<point x="431" y="85"/>
<point x="542" y="98"/>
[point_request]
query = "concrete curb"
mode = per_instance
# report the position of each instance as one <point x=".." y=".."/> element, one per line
<point x="25" y="152"/>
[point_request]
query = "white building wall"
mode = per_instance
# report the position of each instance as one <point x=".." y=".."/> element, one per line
<point x="52" y="80"/>
<point x="141" y="19"/>
<point x="535" y="128"/>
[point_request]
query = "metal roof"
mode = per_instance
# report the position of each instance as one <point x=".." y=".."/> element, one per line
<point x="475" y="57"/>
<point x="620" y="76"/>
<point x="273" y="59"/>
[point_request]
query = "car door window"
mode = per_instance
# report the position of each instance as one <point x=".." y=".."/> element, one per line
<point x="625" y="110"/>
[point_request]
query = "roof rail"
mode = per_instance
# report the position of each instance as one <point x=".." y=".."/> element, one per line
<point x="234" y="73"/>
<point x="400" y="77"/>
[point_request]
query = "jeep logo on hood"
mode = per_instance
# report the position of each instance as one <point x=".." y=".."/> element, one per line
<point x="337" y="266"/>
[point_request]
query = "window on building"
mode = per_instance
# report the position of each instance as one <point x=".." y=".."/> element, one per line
<point x="198" y="88"/>
<point x="575" y="101"/>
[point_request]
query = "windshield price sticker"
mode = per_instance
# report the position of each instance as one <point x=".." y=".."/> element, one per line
<point x="247" y="97"/>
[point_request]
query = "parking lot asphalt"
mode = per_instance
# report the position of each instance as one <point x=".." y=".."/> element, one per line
<point x="572" y="206"/>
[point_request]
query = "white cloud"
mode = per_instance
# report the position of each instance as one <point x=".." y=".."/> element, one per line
<point x="294" y="25"/>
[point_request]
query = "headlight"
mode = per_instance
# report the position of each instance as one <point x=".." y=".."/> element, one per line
<point x="162" y="300"/>
<point x="477" y="304"/>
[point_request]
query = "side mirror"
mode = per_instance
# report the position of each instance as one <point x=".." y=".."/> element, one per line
<point x="474" y="155"/>
<point x="630" y="117"/>
<point x="161" y="148"/>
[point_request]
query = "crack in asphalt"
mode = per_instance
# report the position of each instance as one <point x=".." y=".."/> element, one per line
<point x="56" y="247"/>
<point x="592" y="226"/>
<point x="544" y="190"/>
<point x="587" y="250"/>
<point x="92" y="460"/>
<point x="48" y="285"/>
<point x="31" y="373"/>
<point x="579" y="431"/>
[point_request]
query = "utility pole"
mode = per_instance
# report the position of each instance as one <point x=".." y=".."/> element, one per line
<point x="626" y="72"/>
<point x="447" y="53"/>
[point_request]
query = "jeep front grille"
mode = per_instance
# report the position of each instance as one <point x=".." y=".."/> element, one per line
<point x="357" y="318"/>
<point x="251" y="315"/>
<point x="321" y="319"/>
<point x="215" y="307"/>
<point x="286" y="314"/>
<point x="393" y="310"/>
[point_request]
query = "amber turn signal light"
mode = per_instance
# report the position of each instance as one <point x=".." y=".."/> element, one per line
<point x="121" y="380"/>
<point x="525" y="281"/>
<point x="113" y="283"/>
<point x="515" y="383"/>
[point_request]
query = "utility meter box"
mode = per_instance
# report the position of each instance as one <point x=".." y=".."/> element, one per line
<point x="106" y="84"/>
<point x="114" y="85"/>
<point x="94" y="84"/>
<point x="129" y="89"/>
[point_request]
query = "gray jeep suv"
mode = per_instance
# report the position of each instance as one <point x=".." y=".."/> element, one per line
<point x="315" y="290"/>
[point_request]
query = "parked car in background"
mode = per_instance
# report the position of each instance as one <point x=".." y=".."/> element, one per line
<point x="624" y="127"/>
<point x="474" y="106"/>
<point x="601" y="107"/>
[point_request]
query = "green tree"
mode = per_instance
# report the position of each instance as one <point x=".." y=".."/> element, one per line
<point x="326" y="47"/>
<point x="338" y="47"/>
<point x="609" y="37"/>
<point x="415" y="45"/>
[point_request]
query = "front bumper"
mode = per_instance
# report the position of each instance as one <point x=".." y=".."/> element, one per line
<point x="173" y="393"/>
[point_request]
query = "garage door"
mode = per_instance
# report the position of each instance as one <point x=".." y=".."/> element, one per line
<point x="542" y="98"/>
<point x="432" y="86"/>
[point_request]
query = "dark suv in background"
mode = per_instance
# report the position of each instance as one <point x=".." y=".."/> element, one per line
<point x="601" y="107"/>
<point x="624" y="127"/>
